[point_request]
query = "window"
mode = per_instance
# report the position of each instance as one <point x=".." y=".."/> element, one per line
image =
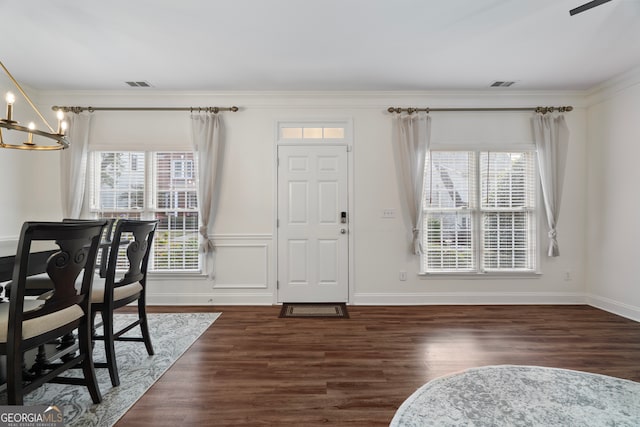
<point x="152" y="185"/>
<point x="182" y="169"/>
<point x="313" y="132"/>
<point x="479" y="212"/>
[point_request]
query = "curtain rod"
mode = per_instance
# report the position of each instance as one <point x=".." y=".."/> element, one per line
<point x="191" y="109"/>
<point x="543" y="110"/>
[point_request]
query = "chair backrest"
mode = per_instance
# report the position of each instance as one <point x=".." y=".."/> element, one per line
<point x="133" y="239"/>
<point x="107" y="235"/>
<point x="106" y="231"/>
<point x="78" y="245"/>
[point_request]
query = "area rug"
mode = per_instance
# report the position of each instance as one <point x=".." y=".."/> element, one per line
<point x="172" y="334"/>
<point x="336" y="310"/>
<point x="522" y="396"/>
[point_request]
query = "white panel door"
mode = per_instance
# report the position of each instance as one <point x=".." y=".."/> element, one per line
<point x="313" y="241"/>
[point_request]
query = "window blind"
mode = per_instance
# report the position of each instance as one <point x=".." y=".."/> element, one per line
<point x="176" y="208"/>
<point x="507" y="204"/>
<point x="479" y="211"/>
<point x="119" y="181"/>
<point x="450" y="198"/>
<point x="152" y="185"/>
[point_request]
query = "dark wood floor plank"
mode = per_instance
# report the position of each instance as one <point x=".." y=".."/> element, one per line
<point x="253" y="368"/>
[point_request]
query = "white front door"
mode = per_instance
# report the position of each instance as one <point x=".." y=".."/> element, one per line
<point x="313" y="224"/>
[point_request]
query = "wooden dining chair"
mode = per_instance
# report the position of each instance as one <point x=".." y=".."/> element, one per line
<point x="29" y="323"/>
<point x="125" y="283"/>
<point x="103" y="252"/>
<point x="38" y="284"/>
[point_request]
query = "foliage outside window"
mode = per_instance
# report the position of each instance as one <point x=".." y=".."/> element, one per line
<point x="479" y="212"/>
<point x="152" y="185"/>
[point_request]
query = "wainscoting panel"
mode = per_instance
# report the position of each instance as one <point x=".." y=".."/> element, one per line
<point x="243" y="276"/>
<point x="242" y="266"/>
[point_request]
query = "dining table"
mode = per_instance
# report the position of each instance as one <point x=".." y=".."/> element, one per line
<point x="40" y="253"/>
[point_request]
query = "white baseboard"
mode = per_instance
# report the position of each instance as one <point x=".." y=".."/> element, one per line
<point x="244" y="298"/>
<point x="435" y="298"/>
<point x="615" y="307"/>
<point x="468" y="298"/>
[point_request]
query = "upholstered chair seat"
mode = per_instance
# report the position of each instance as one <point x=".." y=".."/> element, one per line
<point x="120" y="293"/>
<point x="39" y="325"/>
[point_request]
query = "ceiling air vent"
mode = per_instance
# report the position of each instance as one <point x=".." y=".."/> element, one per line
<point x="139" y="84"/>
<point x="502" y="84"/>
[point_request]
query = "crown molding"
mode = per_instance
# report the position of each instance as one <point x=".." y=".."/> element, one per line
<point x="611" y="88"/>
<point x="318" y="99"/>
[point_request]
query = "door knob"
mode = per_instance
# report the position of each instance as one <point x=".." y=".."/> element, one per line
<point x="343" y="230"/>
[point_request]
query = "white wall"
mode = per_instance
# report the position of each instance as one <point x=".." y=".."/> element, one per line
<point x="614" y="199"/>
<point x="245" y="226"/>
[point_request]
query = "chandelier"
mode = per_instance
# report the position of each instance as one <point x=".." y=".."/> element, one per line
<point x="53" y="140"/>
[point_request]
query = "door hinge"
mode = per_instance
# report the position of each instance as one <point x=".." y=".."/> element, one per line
<point x="277" y="222"/>
<point x="277" y="284"/>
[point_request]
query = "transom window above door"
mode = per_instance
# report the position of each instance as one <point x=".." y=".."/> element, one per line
<point x="330" y="131"/>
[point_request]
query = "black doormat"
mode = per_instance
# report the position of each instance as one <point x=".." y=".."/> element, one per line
<point x="314" y="310"/>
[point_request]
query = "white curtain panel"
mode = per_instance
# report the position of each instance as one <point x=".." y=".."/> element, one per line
<point x="551" y="136"/>
<point x="412" y="135"/>
<point x="207" y="142"/>
<point x="73" y="164"/>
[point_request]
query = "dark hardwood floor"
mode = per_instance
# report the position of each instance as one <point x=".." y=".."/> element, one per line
<point x="252" y="368"/>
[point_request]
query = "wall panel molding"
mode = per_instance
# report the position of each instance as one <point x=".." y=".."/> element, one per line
<point x="241" y="266"/>
<point x="243" y="236"/>
<point x="242" y="262"/>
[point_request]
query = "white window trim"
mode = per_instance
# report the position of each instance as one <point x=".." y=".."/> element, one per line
<point x="150" y="208"/>
<point x="540" y="225"/>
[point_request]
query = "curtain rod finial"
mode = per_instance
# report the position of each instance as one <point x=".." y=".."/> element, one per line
<point x="545" y="110"/>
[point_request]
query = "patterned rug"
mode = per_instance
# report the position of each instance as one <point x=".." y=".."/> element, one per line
<point x="336" y="310"/>
<point x="522" y="396"/>
<point x="171" y="334"/>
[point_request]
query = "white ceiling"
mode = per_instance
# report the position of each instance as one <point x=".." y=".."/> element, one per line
<point x="212" y="45"/>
